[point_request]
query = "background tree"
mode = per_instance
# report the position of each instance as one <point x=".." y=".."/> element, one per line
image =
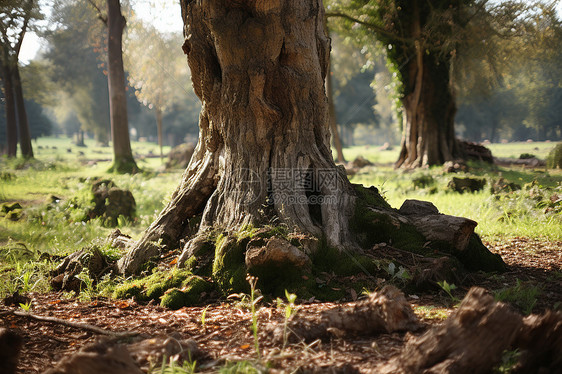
<point x="123" y="161"/>
<point x="76" y="71"/>
<point x="507" y="88"/>
<point x="156" y="69"/>
<point x="15" y="19"/>
<point x="422" y="39"/>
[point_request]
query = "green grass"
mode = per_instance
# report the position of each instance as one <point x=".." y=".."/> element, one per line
<point x="514" y="150"/>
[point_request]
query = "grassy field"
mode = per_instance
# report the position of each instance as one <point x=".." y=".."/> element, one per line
<point x="54" y="190"/>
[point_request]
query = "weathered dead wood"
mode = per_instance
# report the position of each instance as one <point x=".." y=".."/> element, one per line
<point x="382" y="312"/>
<point x="98" y="358"/>
<point x="148" y="352"/>
<point x="10" y="346"/>
<point x="540" y="344"/>
<point x="75" y="325"/>
<point x="425" y="272"/>
<point x="434" y="226"/>
<point x="108" y="357"/>
<point x="475" y="337"/>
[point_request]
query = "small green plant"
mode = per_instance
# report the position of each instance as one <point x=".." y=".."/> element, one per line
<point x="400" y="274"/>
<point x="509" y="359"/>
<point x="524" y="296"/>
<point x="203" y="314"/>
<point x="240" y="367"/>
<point x="88" y="291"/>
<point x="289" y="310"/>
<point x="25" y="279"/>
<point x="171" y="366"/>
<point x="449" y="288"/>
<point x="26" y="307"/>
<point x="253" y="302"/>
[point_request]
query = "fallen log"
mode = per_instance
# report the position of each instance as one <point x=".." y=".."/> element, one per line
<point x="384" y="311"/>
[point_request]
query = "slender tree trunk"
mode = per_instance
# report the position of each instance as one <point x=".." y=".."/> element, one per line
<point x="123" y="156"/>
<point x="159" y="127"/>
<point x="263" y="153"/>
<point x="332" y="116"/>
<point x="428" y="136"/>
<point x="23" y="124"/>
<point x="11" y="121"/>
<point x="331" y="107"/>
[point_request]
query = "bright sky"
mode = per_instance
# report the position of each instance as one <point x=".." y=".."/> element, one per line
<point x="165" y="14"/>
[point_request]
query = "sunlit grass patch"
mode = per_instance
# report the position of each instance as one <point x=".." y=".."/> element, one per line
<point x="430" y="312"/>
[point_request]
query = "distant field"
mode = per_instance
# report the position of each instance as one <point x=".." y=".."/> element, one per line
<point x="507" y="150"/>
<point x="62" y="148"/>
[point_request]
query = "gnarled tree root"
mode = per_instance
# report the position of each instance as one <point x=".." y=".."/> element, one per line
<point x="475" y="337"/>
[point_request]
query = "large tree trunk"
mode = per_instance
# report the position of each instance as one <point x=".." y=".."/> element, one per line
<point x="11" y="121"/>
<point x="263" y="155"/>
<point x="23" y="124"/>
<point x="123" y="161"/>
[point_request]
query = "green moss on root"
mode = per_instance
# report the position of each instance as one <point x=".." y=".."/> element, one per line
<point x="371" y="196"/>
<point x="229" y="267"/>
<point x="153" y="286"/>
<point x="373" y="226"/>
<point x="190" y="294"/>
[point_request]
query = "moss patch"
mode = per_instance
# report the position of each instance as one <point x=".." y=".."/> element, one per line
<point x="229" y="267"/>
<point x="372" y="226"/>
<point x="370" y="196"/>
<point x="190" y="294"/>
<point x="153" y="286"/>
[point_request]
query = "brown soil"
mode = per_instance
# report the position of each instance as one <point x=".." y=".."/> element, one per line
<point x="227" y="335"/>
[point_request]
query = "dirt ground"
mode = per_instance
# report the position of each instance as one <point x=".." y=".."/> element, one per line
<point x="226" y="335"/>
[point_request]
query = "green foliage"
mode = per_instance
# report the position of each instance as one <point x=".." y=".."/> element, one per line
<point x="554" y="159"/>
<point x="171" y="366"/>
<point x="26" y="307"/>
<point x="240" y="367"/>
<point x="509" y="360"/>
<point x="522" y="295"/>
<point x="449" y="288"/>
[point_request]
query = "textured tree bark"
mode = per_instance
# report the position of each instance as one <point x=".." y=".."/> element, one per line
<point x="11" y="121"/>
<point x="263" y="156"/>
<point x="123" y="161"/>
<point x="23" y="124"/>
<point x="428" y="136"/>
